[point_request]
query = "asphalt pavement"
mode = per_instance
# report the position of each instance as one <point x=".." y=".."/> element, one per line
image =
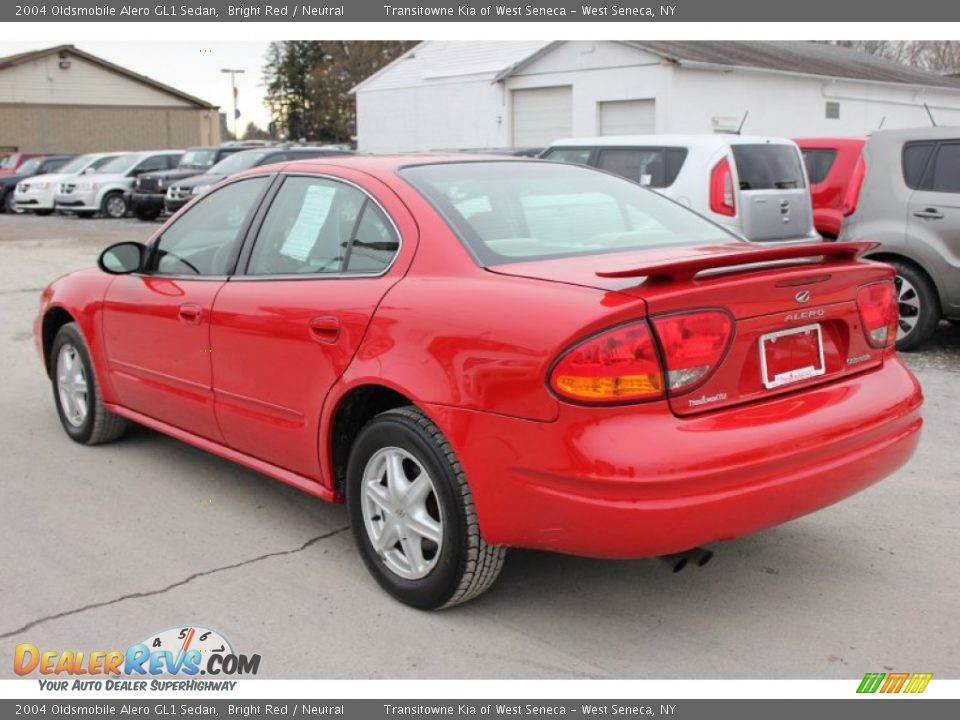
<point x="105" y="546"/>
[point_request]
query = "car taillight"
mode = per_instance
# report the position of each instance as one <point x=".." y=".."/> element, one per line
<point x="619" y="365"/>
<point x="879" y="313"/>
<point x="693" y="345"/>
<point x="721" y="189"/>
<point x="854" y="187"/>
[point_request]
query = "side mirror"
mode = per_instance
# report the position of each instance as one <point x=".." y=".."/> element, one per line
<point x="123" y="258"/>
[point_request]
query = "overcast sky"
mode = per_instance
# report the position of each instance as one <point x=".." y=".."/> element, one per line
<point x="189" y="66"/>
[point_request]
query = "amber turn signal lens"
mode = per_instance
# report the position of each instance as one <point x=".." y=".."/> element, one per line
<point x="615" y="366"/>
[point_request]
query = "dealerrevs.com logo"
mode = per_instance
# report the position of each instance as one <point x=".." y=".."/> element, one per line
<point x="169" y="660"/>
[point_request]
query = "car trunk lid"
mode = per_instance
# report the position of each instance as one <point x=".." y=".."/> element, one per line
<point x="796" y="320"/>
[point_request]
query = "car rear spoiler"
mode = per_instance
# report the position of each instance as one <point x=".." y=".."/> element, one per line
<point x="688" y="268"/>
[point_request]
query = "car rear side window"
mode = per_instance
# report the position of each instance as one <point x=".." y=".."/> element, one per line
<point x="818" y="162"/>
<point x="653" y="167"/>
<point x="946" y="169"/>
<point x="318" y="225"/>
<point x="578" y="156"/>
<point x="518" y="211"/>
<point x="915" y="158"/>
<point x="768" y="167"/>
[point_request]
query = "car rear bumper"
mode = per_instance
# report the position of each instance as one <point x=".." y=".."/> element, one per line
<point x="641" y="482"/>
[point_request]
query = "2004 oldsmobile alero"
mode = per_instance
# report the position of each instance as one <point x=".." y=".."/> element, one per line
<point x="477" y="353"/>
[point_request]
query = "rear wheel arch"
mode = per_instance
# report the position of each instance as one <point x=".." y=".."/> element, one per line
<point x="926" y="291"/>
<point x="892" y="257"/>
<point x="353" y="411"/>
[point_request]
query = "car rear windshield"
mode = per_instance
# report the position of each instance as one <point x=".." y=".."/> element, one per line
<point x="508" y="212"/>
<point x="194" y="158"/>
<point x="768" y="167"/>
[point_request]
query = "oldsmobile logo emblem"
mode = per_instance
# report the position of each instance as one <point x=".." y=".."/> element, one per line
<point x="802" y="296"/>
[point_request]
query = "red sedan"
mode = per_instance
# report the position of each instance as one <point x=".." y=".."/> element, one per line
<point x="477" y="353"/>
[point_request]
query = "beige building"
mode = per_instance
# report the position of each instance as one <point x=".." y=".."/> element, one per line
<point x="62" y="99"/>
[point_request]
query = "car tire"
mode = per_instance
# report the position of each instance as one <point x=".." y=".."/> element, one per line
<point x="10" y="204"/>
<point x="449" y="563"/>
<point x="114" y="206"/>
<point x="918" y="305"/>
<point x="76" y="392"/>
<point x="146" y="214"/>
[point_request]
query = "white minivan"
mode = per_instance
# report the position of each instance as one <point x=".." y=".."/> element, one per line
<point x="754" y="186"/>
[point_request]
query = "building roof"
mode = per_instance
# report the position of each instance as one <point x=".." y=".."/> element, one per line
<point x="439" y="59"/>
<point x="795" y="56"/>
<point x="25" y="57"/>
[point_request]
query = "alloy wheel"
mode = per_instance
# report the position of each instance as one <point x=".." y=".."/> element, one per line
<point x="72" y="385"/>
<point x="908" y="300"/>
<point x="116" y="206"/>
<point x="401" y="513"/>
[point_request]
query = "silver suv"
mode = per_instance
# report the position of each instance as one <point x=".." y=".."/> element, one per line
<point x="905" y="195"/>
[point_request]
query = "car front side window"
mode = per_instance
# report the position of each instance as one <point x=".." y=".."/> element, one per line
<point x="202" y="240"/>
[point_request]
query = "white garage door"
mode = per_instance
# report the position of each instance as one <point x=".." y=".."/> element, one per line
<point x="542" y="115"/>
<point x="627" y="117"/>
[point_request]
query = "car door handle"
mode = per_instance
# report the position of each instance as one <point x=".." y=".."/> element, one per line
<point x="325" y="328"/>
<point x="191" y="313"/>
<point x="929" y="214"/>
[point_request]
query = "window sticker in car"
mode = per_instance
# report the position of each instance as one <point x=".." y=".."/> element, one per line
<point x="317" y="202"/>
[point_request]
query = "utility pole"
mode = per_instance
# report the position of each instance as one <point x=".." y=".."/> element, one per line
<point x="233" y="86"/>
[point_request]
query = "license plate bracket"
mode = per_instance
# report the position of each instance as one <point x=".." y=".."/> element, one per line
<point x="791" y="355"/>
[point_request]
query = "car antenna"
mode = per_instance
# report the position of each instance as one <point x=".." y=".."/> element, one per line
<point x="930" y="114"/>
<point x="743" y="122"/>
<point x="882" y="121"/>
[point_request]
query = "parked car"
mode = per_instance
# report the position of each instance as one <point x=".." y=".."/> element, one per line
<point x="754" y="186"/>
<point x="183" y="191"/>
<point x="36" y="194"/>
<point x="33" y="166"/>
<point x="906" y="196"/>
<point x="149" y="189"/>
<point x="13" y="160"/>
<point x="476" y="354"/>
<point x="830" y="166"/>
<point x="108" y="190"/>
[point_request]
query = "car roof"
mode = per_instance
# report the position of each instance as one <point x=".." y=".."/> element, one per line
<point x="708" y="142"/>
<point x="390" y="163"/>
<point x="939" y="132"/>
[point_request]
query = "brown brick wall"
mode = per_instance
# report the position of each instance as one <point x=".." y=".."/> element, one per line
<point x="76" y="129"/>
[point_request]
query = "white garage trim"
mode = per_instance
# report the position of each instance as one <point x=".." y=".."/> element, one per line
<point x="541" y="115"/>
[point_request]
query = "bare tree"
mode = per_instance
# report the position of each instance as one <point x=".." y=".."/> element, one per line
<point x="939" y="56"/>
